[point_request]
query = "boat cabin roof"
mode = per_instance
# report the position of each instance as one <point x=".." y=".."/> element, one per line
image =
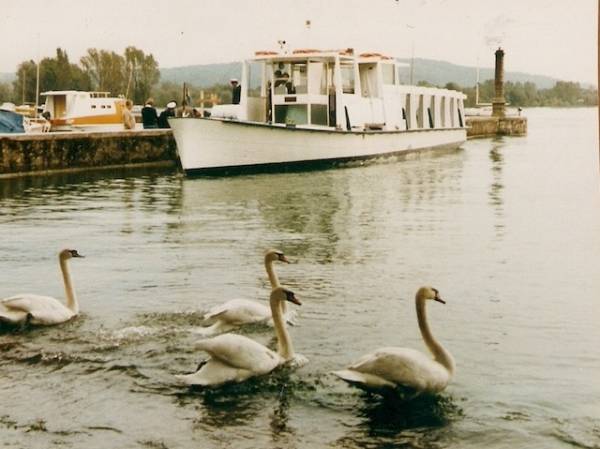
<point x="311" y="53"/>
<point x="75" y="92"/>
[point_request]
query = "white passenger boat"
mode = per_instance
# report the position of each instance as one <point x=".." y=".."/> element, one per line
<point x="311" y="108"/>
<point x="71" y="110"/>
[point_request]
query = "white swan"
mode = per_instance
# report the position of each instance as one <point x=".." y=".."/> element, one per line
<point x="237" y="312"/>
<point x="43" y="310"/>
<point x="404" y="367"/>
<point x="235" y="358"/>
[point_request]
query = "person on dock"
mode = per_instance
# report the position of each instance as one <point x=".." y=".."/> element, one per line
<point x="149" y="115"/>
<point x="168" y="112"/>
<point x="128" y="118"/>
<point x="236" y="91"/>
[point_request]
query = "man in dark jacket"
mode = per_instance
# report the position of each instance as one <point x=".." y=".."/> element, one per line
<point x="236" y="91"/>
<point x="169" y="112"/>
<point x="149" y="116"/>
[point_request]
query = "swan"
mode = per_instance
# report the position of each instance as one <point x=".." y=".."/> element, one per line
<point x="393" y="367"/>
<point x="235" y="358"/>
<point x="237" y="312"/>
<point x="43" y="310"/>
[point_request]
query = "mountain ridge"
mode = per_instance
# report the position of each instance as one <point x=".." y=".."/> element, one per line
<point x="432" y="71"/>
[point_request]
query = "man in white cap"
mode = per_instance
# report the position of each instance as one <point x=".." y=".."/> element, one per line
<point x="236" y="91"/>
<point x="169" y="112"/>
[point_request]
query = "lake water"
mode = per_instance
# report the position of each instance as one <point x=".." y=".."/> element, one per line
<point x="507" y="229"/>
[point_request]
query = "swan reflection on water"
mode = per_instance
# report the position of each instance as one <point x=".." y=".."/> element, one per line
<point x="398" y="423"/>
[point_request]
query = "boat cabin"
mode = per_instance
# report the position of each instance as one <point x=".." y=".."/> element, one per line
<point x="341" y="90"/>
<point x="71" y="108"/>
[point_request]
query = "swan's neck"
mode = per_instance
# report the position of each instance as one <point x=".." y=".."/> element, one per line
<point x="72" y="303"/>
<point x="271" y="273"/>
<point x="274" y="281"/>
<point x="284" y="343"/>
<point x="440" y="354"/>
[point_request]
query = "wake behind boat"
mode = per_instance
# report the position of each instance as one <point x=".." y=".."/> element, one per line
<point x="314" y="108"/>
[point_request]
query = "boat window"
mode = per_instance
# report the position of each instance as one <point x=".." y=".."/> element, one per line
<point x="93" y="106"/>
<point x="430" y="117"/>
<point x="281" y="78"/>
<point x="318" y="78"/>
<point x="300" y="78"/>
<point x="291" y="114"/>
<point x="388" y="73"/>
<point x="409" y="123"/>
<point x="432" y="112"/>
<point x="420" y="112"/>
<point x="254" y="77"/>
<point x="318" y="114"/>
<point x="443" y="111"/>
<point x="347" y="72"/>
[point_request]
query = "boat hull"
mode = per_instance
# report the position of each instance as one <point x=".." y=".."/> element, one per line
<point x="216" y="147"/>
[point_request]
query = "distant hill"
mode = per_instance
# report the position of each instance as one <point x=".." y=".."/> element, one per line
<point x="7" y="77"/>
<point x="432" y="71"/>
<point x="440" y="73"/>
<point x="202" y="75"/>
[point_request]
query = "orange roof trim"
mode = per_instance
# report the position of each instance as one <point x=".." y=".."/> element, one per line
<point x="374" y="55"/>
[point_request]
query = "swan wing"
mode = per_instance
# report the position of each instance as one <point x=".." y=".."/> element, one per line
<point x="237" y="351"/>
<point x="239" y="311"/>
<point x="404" y="367"/>
<point x="215" y="372"/>
<point x="41" y="309"/>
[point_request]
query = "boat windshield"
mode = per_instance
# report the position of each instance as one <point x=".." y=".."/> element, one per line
<point x="290" y="78"/>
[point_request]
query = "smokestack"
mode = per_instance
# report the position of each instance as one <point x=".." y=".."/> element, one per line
<point x="498" y="103"/>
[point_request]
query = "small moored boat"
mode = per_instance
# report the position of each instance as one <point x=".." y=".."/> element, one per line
<point x="312" y="108"/>
<point x="70" y="110"/>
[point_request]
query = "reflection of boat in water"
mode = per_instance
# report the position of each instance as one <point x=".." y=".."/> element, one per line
<point x="84" y="111"/>
<point x="315" y="108"/>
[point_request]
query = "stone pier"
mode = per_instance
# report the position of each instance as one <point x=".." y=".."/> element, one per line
<point x="496" y="126"/>
<point x="27" y="154"/>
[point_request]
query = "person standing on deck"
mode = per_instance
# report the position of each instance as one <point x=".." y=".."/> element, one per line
<point x="236" y="91"/>
<point x="149" y="115"/>
<point x="128" y="118"/>
<point x="169" y="112"/>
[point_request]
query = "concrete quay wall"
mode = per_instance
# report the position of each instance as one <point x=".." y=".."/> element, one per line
<point x="496" y="126"/>
<point x="26" y="154"/>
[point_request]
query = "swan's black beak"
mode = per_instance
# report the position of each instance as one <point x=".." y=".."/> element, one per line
<point x="74" y="253"/>
<point x="291" y="297"/>
<point x="437" y="296"/>
<point x="282" y="258"/>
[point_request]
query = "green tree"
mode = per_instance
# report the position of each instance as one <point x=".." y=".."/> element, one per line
<point x="142" y="74"/>
<point x="106" y="70"/>
<point x="25" y="84"/>
<point x="6" y="92"/>
<point x="59" y="74"/>
<point x="165" y="92"/>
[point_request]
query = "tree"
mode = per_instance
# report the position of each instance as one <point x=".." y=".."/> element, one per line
<point x="142" y="74"/>
<point x="106" y="71"/>
<point x="59" y="74"/>
<point x="25" y="84"/>
<point x="6" y="92"/>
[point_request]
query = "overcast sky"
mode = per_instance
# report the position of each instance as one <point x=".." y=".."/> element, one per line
<point x="548" y="37"/>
